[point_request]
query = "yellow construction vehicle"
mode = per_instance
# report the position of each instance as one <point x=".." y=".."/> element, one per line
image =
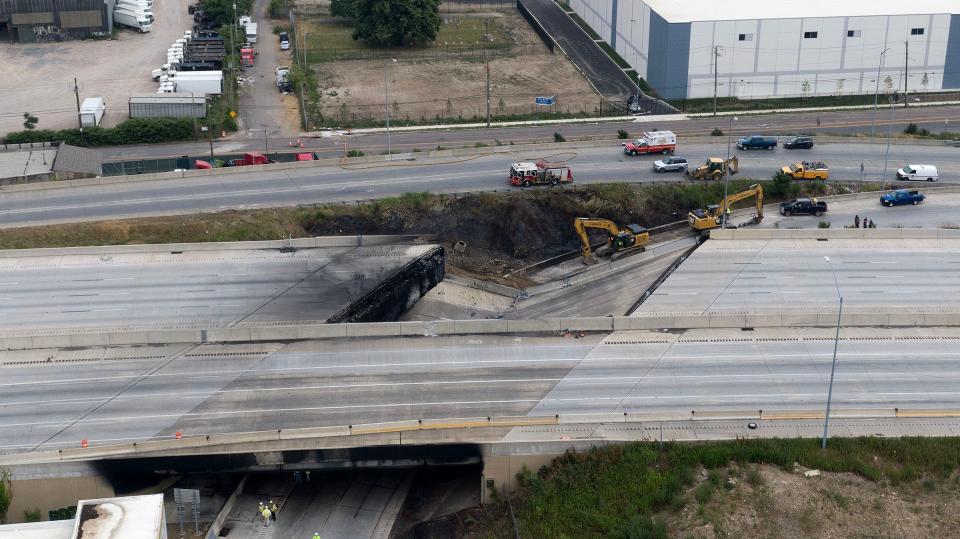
<point x="714" y="169"/>
<point x="712" y="217"/>
<point x="619" y="241"/>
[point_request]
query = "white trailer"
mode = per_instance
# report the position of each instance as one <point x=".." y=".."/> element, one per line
<point x="131" y="19"/>
<point x="198" y="82"/>
<point x="251" y="32"/>
<point x="91" y="111"/>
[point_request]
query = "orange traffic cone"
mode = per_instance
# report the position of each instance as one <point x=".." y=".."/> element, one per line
<point x="179" y="435"/>
<point x="84" y="444"/>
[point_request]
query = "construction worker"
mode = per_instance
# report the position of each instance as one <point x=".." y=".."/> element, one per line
<point x="316" y="535"/>
<point x="856" y="221"/>
<point x="266" y="516"/>
<point x="274" y="510"/>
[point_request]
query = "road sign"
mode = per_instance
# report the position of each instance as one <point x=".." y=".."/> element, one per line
<point x="547" y="100"/>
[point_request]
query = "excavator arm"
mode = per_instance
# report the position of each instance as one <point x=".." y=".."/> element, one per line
<point x="581" y="224"/>
<point x="755" y="190"/>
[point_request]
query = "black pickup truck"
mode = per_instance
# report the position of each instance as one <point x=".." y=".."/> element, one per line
<point x="803" y="206"/>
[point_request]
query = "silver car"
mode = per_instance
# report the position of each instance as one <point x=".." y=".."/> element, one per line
<point x="670" y="164"/>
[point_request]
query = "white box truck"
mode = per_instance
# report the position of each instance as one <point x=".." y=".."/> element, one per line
<point x="251" y="32"/>
<point x="198" y="82"/>
<point x="91" y="111"/>
<point x="136" y="8"/>
<point x="131" y="19"/>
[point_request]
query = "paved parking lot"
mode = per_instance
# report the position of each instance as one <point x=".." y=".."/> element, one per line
<point x="38" y="77"/>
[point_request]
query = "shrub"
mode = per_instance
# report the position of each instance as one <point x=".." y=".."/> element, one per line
<point x="621" y="134"/>
<point x="355" y="153"/>
<point x="823" y="224"/>
<point x="32" y="515"/>
<point x="717" y="132"/>
<point x="911" y="129"/>
<point x="132" y="131"/>
<point x="557" y="137"/>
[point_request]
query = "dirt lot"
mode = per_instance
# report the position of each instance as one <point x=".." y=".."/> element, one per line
<point x="38" y="77"/>
<point x="788" y="505"/>
<point x="422" y="88"/>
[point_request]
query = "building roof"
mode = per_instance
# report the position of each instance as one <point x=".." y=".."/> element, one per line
<point x="24" y="163"/>
<point x="173" y="97"/>
<point x="56" y="529"/>
<point x="712" y="10"/>
<point x="73" y="159"/>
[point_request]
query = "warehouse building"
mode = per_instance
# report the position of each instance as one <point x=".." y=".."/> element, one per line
<point x="28" y="21"/>
<point x="784" y="48"/>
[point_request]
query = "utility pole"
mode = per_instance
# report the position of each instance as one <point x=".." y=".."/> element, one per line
<point x="487" y="62"/>
<point x="76" y="91"/>
<point x="906" y="66"/>
<point x="876" y="92"/>
<point x="716" y="68"/>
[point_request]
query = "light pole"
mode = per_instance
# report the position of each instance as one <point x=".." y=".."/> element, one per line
<point x="886" y="154"/>
<point x="876" y="92"/>
<point x="833" y="367"/>
<point x="726" y="177"/>
<point x="266" y="145"/>
<point x="386" y="105"/>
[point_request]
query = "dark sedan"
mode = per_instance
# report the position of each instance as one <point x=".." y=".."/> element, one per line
<point x="798" y="143"/>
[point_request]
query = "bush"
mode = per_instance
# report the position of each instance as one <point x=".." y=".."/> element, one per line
<point x="32" y="515"/>
<point x="780" y="185"/>
<point x="355" y="153"/>
<point x="911" y="129"/>
<point x="717" y="132"/>
<point x="557" y="137"/>
<point x="132" y="131"/>
<point x="823" y="224"/>
<point x="621" y="134"/>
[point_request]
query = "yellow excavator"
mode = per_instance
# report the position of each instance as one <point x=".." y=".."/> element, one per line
<point x="619" y="241"/>
<point x="714" y="169"/>
<point x="712" y="217"/>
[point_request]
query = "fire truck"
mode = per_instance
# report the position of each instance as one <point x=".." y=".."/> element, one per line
<point x="542" y="172"/>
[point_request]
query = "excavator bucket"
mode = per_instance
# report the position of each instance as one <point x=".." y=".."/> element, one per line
<point x="733" y="165"/>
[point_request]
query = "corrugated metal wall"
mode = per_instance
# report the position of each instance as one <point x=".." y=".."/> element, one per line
<point x="167" y="110"/>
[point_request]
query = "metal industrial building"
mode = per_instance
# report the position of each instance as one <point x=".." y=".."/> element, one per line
<point x="52" y="20"/>
<point x="763" y="48"/>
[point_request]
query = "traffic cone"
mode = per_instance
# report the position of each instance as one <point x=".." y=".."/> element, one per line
<point x="299" y="143"/>
<point x="179" y="435"/>
<point x="84" y="443"/>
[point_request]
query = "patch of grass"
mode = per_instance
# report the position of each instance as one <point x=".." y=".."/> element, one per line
<point x="597" y="492"/>
<point x="613" y="55"/>
<point x="754" y="479"/>
<point x="355" y="153"/>
<point x="481" y="145"/>
<point x="837" y="498"/>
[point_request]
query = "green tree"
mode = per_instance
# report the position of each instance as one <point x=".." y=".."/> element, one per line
<point x="6" y="494"/>
<point x="220" y="12"/>
<point x="29" y="120"/>
<point x="397" y="22"/>
<point x="343" y="8"/>
<point x="780" y="185"/>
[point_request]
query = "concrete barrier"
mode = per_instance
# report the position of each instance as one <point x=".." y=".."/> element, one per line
<point x="832" y="233"/>
<point x="213" y="532"/>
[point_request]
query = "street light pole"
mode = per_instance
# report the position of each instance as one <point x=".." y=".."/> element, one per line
<point x="886" y="154"/>
<point x="386" y="106"/>
<point x="833" y="367"/>
<point x="876" y="92"/>
<point x="726" y="177"/>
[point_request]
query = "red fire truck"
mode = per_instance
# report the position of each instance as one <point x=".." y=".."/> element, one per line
<point x="542" y="172"/>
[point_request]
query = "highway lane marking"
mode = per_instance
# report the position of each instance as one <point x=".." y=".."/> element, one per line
<point x="696" y="360"/>
<point x="858" y="376"/>
<point x="201" y="416"/>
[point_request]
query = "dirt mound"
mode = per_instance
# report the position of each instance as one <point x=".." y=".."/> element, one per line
<point x="514" y="229"/>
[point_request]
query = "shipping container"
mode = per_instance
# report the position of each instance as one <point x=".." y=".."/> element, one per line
<point x="171" y="105"/>
<point x="91" y="111"/>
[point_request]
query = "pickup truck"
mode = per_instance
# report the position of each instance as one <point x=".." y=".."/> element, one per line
<point x="901" y="196"/>
<point x="755" y="142"/>
<point x="806" y="170"/>
<point x="803" y="206"/>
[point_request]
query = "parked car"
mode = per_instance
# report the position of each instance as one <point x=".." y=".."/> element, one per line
<point x="901" y="197"/>
<point x="804" y="206"/>
<point x="797" y="143"/>
<point x="756" y="142"/>
<point x="670" y="164"/>
<point x="918" y="172"/>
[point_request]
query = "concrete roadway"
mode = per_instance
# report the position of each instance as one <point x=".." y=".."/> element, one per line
<point x="762" y="276"/>
<point x="46" y="205"/>
<point x="934" y="119"/>
<point x="218" y="288"/>
<point x="218" y="389"/>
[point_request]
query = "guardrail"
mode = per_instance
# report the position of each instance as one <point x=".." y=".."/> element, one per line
<point x="482" y="429"/>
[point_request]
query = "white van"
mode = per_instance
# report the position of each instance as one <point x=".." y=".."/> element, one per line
<point x="918" y="172"/>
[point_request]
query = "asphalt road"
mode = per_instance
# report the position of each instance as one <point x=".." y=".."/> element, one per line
<point x="935" y="119"/>
<point x="939" y="210"/>
<point x="218" y="288"/>
<point x="789" y="276"/>
<point x="46" y="205"/>
<point x="207" y="390"/>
